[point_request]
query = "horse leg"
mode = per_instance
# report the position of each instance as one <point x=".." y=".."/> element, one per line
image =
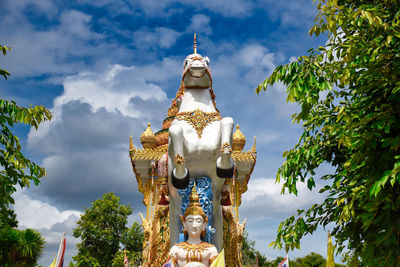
<point x="174" y="220"/>
<point x="179" y="173"/>
<point x="225" y="161"/>
<point x="217" y="212"/>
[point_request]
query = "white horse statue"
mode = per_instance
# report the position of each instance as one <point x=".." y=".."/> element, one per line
<point x="199" y="145"/>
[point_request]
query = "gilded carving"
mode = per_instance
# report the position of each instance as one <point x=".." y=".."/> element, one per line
<point x="198" y="119"/>
<point x="233" y="236"/>
<point x="160" y="243"/>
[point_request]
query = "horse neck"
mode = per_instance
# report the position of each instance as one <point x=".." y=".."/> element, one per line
<point x="197" y="99"/>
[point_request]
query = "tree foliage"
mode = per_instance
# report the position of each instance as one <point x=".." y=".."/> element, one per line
<point x="250" y="255"/>
<point x="101" y="229"/>
<point x="349" y="94"/>
<point x="132" y="244"/>
<point x="4" y="50"/>
<point x="17" y="247"/>
<point x="20" y="247"/>
<point x="14" y="164"/>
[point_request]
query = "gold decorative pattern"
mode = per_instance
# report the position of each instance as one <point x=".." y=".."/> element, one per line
<point x="194" y="207"/>
<point x="198" y="119"/>
<point x="167" y="122"/>
<point x="162" y="138"/>
<point x="146" y="242"/>
<point x="226" y="146"/>
<point x="233" y="236"/>
<point x="238" y="140"/>
<point x="160" y="239"/>
<point x="148" y="138"/>
<point x="179" y="160"/>
<point x="146" y="154"/>
<point x="194" y="251"/>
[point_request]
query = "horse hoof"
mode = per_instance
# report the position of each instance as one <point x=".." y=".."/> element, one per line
<point x="180" y="183"/>
<point x="224" y="173"/>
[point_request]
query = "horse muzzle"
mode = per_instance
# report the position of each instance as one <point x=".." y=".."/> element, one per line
<point x="197" y="72"/>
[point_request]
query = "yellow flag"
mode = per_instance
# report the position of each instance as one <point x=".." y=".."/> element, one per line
<point x="219" y="261"/>
<point x="329" y="258"/>
<point x="53" y="264"/>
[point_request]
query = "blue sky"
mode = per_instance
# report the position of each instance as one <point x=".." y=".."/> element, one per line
<point x="106" y="68"/>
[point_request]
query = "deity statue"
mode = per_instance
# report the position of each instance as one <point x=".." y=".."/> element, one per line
<point x="192" y="173"/>
<point x="194" y="251"/>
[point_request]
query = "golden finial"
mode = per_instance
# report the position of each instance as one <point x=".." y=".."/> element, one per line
<point x="195" y="45"/>
<point x="194" y="207"/>
<point x="238" y="140"/>
<point x="148" y="138"/>
<point x="131" y="147"/>
<point x="253" y="149"/>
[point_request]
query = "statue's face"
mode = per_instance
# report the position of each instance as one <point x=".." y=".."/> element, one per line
<point x="196" y="73"/>
<point x="194" y="225"/>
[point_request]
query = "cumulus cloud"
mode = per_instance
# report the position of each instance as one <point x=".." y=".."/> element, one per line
<point x="161" y="36"/>
<point x="49" y="221"/>
<point x="200" y="23"/>
<point x="65" y="46"/>
<point x="290" y="13"/>
<point x="86" y="144"/>
<point x="37" y="214"/>
<point x="264" y="199"/>
<point x="235" y="8"/>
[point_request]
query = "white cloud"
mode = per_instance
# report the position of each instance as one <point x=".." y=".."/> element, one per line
<point x="111" y="90"/>
<point x="290" y="13"/>
<point x="86" y="143"/>
<point x="37" y="214"/>
<point x="161" y="36"/>
<point x="50" y="221"/>
<point x="264" y="199"/>
<point x="46" y="7"/>
<point x="118" y="90"/>
<point x="77" y="24"/>
<point x="200" y="23"/>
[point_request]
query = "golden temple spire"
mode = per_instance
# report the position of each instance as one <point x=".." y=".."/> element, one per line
<point x="131" y="147"/>
<point x="253" y="149"/>
<point x="148" y="139"/>
<point x="194" y="45"/>
<point x="238" y="140"/>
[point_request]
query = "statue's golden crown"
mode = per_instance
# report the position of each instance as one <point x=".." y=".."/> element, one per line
<point x="194" y="207"/>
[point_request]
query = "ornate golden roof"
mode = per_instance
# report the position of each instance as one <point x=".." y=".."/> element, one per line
<point x="148" y="139"/>
<point x="239" y="140"/>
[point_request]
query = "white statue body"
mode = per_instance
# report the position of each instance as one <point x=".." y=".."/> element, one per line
<point x="198" y="154"/>
<point x="193" y="252"/>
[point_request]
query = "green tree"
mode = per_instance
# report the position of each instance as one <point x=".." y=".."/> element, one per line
<point x="20" y="247"/>
<point x="8" y="218"/>
<point x="133" y="238"/>
<point x="101" y="228"/>
<point x="17" y="247"/>
<point x="14" y="164"/>
<point x="311" y="260"/>
<point x="349" y="94"/>
<point x="132" y="244"/>
<point x="134" y="258"/>
<point x="250" y="255"/>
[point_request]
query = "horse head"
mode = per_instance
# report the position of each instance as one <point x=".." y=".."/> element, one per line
<point x="196" y="73"/>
